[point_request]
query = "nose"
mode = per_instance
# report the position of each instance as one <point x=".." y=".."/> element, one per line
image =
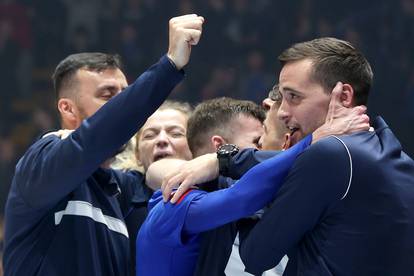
<point x="267" y="104"/>
<point x="162" y="139"/>
<point x="283" y="112"/>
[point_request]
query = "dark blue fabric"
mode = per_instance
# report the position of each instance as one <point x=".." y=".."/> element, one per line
<point x="168" y="241"/>
<point x="216" y="244"/>
<point x="245" y="160"/>
<point x="54" y="172"/>
<point x="134" y="200"/>
<point x="368" y="232"/>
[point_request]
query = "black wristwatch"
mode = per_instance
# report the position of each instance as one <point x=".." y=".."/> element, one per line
<point x="224" y="155"/>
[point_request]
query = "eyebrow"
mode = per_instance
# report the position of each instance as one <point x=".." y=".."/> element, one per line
<point x="288" y="89"/>
<point x="111" y="87"/>
<point x="168" y="128"/>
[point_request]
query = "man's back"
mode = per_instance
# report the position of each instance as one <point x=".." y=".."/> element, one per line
<point x="350" y="203"/>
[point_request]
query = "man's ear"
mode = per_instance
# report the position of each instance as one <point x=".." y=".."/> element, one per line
<point x="69" y="113"/>
<point x="217" y="141"/>
<point x="347" y="95"/>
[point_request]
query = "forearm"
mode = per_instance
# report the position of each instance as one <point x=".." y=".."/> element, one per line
<point x="247" y="159"/>
<point x="158" y="170"/>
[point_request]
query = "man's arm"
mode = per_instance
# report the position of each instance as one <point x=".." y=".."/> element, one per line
<point x="315" y="182"/>
<point x="52" y="168"/>
<point x="247" y="159"/>
<point x="159" y="169"/>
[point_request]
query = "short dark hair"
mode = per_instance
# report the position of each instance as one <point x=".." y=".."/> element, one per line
<point x="213" y="116"/>
<point x="334" y="60"/>
<point x="274" y="94"/>
<point x="67" y="68"/>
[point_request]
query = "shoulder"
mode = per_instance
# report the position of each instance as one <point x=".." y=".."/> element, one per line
<point x="35" y="152"/>
<point x="331" y="150"/>
<point x="165" y="221"/>
<point x="325" y="166"/>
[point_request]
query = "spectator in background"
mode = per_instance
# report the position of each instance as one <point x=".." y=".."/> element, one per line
<point x="7" y="160"/>
<point x="18" y="15"/>
<point x="131" y="48"/>
<point x="84" y="14"/>
<point x="222" y="82"/>
<point x="81" y="41"/>
<point x="9" y="53"/>
<point x="49" y="19"/>
<point x="255" y="79"/>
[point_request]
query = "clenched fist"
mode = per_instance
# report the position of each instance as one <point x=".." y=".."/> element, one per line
<point x="184" y="32"/>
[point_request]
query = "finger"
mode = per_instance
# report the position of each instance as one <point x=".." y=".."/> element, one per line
<point x="360" y="123"/>
<point x="337" y="90"/>
<point x="361" y="109"/>
<point x="335" y="100"/>
<point x="182" y="189"/>
<point x="192" y="36"/>
<point x="196" y="23"/>
<point x="170" y="185"/>
<point x="177" y="19"/>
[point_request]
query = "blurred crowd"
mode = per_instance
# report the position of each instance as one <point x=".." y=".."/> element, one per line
<point x="237" y="56"/>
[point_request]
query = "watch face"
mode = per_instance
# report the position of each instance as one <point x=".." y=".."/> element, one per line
<point x="227" y="149"/>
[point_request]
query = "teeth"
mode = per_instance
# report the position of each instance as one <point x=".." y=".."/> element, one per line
<point x="160" y="156"/>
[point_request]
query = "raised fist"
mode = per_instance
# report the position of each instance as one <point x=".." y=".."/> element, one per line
<point x="184" y="32"/>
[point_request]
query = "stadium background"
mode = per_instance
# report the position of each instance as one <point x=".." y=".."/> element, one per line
<point x="237" y="55"/>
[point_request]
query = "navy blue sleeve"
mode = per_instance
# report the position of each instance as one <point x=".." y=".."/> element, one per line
<point x="255" y="189"/>
<point x="52" y="167"/>
<point x="318" y="179"/>
<point x="247" y="159"/>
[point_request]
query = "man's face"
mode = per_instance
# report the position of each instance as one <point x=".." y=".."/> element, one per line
<point x="304" y="102"/>
<point x="163" y="135"/>
<point x="246" y="131"/>
<point x="273" y="137"/>
<point x="94" y="89"/>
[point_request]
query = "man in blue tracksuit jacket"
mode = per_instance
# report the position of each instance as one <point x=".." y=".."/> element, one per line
<point x="62" y="213"/>
<point x="347" y="205"/>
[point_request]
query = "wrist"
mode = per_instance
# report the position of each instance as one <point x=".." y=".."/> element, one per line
<point x="224" y="156"/>
<point x="171" y="60"/>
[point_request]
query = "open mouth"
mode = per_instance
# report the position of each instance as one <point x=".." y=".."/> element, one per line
<point x="293" y="130"/>
<point x="160" y="156"/>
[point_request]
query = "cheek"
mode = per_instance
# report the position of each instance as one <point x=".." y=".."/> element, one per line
<point x="181" y="144"/>
<point x="313" y="117"/>
<point x="93" y="106"/>
<point x="144" y="150"/>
